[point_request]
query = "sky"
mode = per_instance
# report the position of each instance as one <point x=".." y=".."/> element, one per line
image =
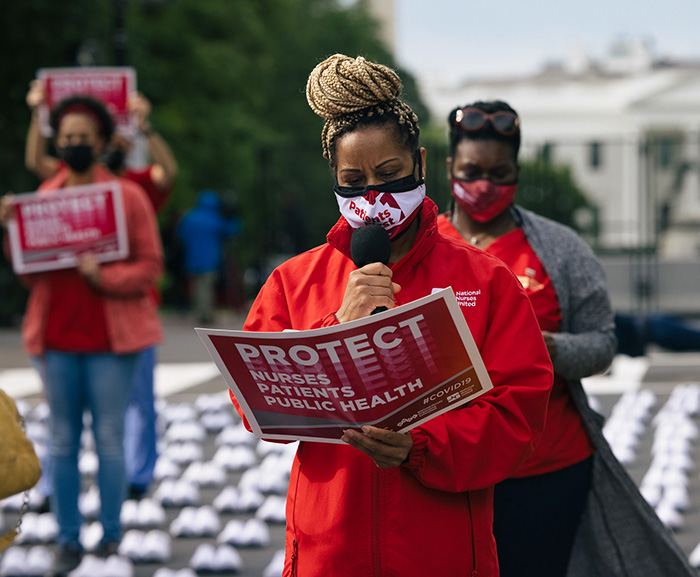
<point x="449" y="40"/>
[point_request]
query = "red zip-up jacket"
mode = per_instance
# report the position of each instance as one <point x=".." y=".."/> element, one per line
<point x="432" y="516"/>
<point x="125" y="285"/>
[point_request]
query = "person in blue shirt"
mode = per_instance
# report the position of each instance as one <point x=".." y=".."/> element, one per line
<point x="202" y="232"/>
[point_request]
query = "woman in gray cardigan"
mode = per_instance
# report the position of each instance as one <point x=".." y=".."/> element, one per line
<point x="571" y="509"/>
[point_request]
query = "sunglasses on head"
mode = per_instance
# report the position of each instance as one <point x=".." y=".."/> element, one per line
<point x="472" y="119"/>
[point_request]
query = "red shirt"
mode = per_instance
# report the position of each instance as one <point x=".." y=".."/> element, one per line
<point x="76" y="317"/>
<point x="564" y="441"/>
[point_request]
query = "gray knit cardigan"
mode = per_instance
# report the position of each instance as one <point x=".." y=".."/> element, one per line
<point x="620" y="534"/>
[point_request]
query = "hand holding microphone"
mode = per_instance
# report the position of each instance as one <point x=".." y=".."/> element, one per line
<point x="369" y="289"/>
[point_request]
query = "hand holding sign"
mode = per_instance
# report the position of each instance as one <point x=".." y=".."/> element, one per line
<point x="386" y="448"/>
<point x="7" y="209"/>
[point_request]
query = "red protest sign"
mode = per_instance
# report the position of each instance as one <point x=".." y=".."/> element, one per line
<point x="394" y="370"/>
<point x="110" y="85"/>
<point x="52" y="228"/>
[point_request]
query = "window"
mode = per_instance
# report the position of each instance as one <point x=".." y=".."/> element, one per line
<point x="595" y="154"/>
<point x="664" y="152"/>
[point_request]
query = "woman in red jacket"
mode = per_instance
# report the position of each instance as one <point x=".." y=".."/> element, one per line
<point x="389" y="504"/>
<point x="85" y="326"/>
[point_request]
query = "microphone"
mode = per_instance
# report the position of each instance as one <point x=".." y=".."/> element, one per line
<point x="369" y="244"/>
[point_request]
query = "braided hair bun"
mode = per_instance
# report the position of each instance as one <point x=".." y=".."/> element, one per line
<point x="347" y="92"/>
<point x="341" y="84"/>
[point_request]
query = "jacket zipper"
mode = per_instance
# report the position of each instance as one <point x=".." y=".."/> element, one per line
<point x="294" y="558"/>
<point x="471" y="528"/>
<point x="375" y="516"/>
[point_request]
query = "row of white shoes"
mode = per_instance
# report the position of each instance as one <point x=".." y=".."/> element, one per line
<point x="273" y="510"/>
<point x="235" y="458"/>
<point x="20" y="562"/>
<point x="196" y="522"/>
<point x="177" y="493"/>
<point x="146" y="547"/>
<point x="221" y="559"/>
<point x="183" y="453"/>
<point x="235" y="435"/>
<point x="235" y="500"/>
<point x="37" y="528"/>
<point x="205" y="474"/>
<point x="15" y="502"/>
<point x="112" y="566"/>
<point x="216" y="421"/>
<point x="245" y="534"/>
<point x="143" y="513"/>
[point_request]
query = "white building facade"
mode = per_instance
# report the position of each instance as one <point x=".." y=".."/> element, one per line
<point x="629" y="129"/>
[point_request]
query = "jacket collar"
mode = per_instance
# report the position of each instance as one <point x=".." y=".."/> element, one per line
<point x="100" y="174"/>
<point x="339" y="236"/>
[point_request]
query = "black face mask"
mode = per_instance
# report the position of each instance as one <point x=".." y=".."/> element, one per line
<point x="396" y="186"/>
<point x="79" y="157"/>
<point x="115" y="160"/>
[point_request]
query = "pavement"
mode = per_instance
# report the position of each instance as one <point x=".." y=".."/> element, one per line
<point x="185" y="372"/>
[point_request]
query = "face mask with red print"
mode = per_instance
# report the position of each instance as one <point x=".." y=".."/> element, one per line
<point x="482" y="199"/>
<point x="392" y="205"/>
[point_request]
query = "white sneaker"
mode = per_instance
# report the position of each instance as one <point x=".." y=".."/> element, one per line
<point x="669" y="516"/>
<point x="29" y="530"/>
<point x="238" y="458"/>
<point x="213" y="475"/>
<point x="89" y="503"/>
<point x="131" y="545"/>
<point x="172" y="493"/>
<point x="204" y="558"/>
<point x="250" y="479"/>
<point x="117" y="566"/>
<point x="156" y="547"/>
<point x="235" y="435"/>
<point x="205" y="474"/>
<point x="207" y="402"/>
<point x="88" y="464"/>
<point x="151" y="514"/>
<point x="184" y="524"/>
<point x="166" y="469"/>
<point x="272" y="510"/>
<point x="255" y="533"/>
<point x="232" y="533"/>
<point x="694" y="557"/>
<point x="186" y="494"/>
<point x="13" y="561"/>
<point x="276" y="566"/>
<point x="184" y="453"/>
<point x="207" y="523"/>
<point x="227" y="500"/>
<point x="182" y="412"/>
<point x="215" y="421"/>
<point x="39" y="561"/>
<point x="47" y="528"/>
<point x="91" y="535"/>
<point x="227" y="559"/>
<point x="129" y="515"/>
<point x="90" y="566"/>
<point x="187" y="431"/>
<point x="250" y="500"/>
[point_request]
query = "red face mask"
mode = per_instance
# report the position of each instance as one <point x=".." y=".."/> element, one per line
<point x="482" y="199"/>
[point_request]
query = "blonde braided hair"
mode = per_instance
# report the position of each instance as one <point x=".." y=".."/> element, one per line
<point x="348" y="92"/>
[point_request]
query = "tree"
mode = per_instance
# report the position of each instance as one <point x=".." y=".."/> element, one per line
<point x="226" y="78"/>
<point x="550" y="190"/>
